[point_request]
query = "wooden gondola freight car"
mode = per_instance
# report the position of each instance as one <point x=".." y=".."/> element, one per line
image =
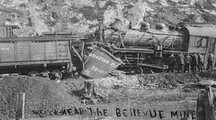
<point x="44" y="55"/>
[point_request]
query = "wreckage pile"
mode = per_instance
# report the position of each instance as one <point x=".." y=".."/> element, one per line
<point x="170" y="81"/>
<point x="147" y="88"/>
<point x="136" y="88"/>
<point x="158" y="81"/>
<point x="121" y="81"/>
<point x="41" y="94"/>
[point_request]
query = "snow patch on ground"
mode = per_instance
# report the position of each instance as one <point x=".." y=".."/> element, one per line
<point x="109" y="15"/>
<point x="102" y="3"/>
<point x="83" y="3"/>
<point x="152" y="1"/>
<point x="164" y="3"/>
<point x="39" y="25"/>
<point x="136" y="13"/>
<point x="17" y="2"/>
<point x="214" y="4"/>
<point x="210" y="11"/>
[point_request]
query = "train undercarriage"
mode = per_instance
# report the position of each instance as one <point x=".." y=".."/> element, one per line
<point x="53" y="71"/>
<point x="139" y="61"/>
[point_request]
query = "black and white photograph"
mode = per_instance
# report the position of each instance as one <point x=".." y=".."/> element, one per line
<point x="107" y="59"/>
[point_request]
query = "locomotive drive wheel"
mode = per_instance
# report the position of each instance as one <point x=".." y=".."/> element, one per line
<point x="56" y="75"/>
<point x="45" y="74"/>
<point x="33" y="73"/>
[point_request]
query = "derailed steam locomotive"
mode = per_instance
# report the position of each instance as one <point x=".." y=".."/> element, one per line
<point x="147" y="50"/>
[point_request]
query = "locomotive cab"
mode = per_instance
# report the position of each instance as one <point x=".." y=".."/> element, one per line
<point x="202" y="40"/>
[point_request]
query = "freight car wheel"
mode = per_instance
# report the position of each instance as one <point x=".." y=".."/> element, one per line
<point x="138" y="70"/>
<point x="33" y="73"/>
<point x="148" y="70"/>
<point x="56" y="75"/>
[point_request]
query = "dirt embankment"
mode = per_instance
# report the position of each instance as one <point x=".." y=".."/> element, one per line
<point x="43" y="94"/>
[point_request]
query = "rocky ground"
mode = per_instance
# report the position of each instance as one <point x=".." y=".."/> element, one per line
<point x="151" y="90"/>
<point x="37" y="16"/>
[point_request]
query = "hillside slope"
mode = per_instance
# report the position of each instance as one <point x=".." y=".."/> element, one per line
<point x="37" y="16"/>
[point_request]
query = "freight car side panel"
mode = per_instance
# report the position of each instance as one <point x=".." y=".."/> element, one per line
<point x="27" y="52"/>
<point x="37" y="51"/>
<point x="62" y="50"/>
<point x="7" y="52"/>
<point x="23" y="51"/>
<point x="51" y="48"/>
